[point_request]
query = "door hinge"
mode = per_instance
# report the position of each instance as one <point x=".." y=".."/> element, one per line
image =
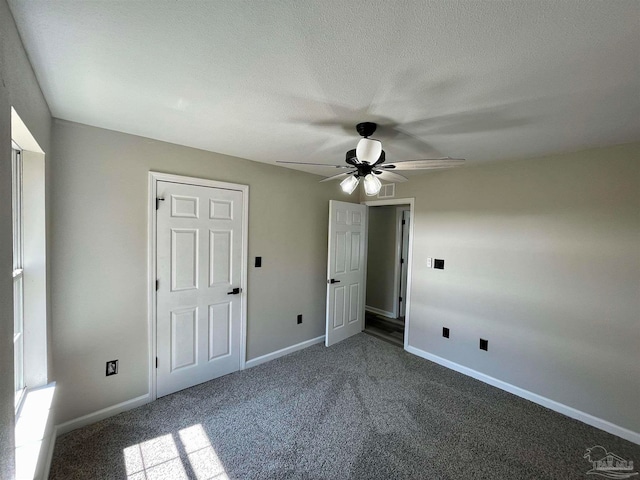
<point x="404" y="222"/>
<point x="158" y="200"/>
<point x="400" y="298"/>
<point x="157" y="285"/>
<point x="401" y="261"/>
<point x="156" y="362"/>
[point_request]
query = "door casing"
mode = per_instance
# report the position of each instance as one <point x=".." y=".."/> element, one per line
<point x="411" y="203"/>
<point x="398" y="281"/>
<point x="154" y="178"/>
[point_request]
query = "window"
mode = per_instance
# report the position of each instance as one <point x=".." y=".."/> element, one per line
<point x="18" y="274"/>
<point x="32" y="394"/>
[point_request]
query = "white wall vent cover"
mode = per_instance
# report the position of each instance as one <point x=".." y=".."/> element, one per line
<point x="387" y="191"/>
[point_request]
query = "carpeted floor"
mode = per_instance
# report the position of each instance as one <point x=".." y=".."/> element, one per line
<point x="362" y="409"/>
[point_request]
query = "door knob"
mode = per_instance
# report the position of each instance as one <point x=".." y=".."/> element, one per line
<point x="235" y="291"/>
<point x="333" y="280"/>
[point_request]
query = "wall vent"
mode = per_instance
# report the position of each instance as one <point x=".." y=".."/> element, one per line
<point x="387" y="191"/>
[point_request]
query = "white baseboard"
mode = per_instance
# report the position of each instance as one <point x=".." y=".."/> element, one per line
<point x="101" y="414"/>
<point x="534" y="397"/>
<point x="282" y="352"/>
<point x="384" y="313"/>
<point x="143" y="399"/>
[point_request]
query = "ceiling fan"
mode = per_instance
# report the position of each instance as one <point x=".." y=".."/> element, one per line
<point x="367" y="162"/>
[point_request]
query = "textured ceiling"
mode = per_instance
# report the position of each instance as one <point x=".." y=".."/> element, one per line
<point x="288" y="80"/>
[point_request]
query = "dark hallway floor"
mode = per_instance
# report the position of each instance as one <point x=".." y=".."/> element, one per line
<point x="385" y="328"/>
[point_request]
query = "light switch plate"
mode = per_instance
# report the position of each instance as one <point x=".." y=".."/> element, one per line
<point x="429" y="262"/>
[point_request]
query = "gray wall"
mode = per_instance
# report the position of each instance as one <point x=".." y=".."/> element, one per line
<point x="381" y="256"/>
<point x="18" y="88"/>
<point x="99" y="257"/>
<point x="542" y="258"/>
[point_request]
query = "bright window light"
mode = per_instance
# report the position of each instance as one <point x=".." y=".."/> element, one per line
<point x="202" y="457"/>
<point x="159" y="458"/>
<point x="30" y="429"/>
<point x="155" y="458"/>
<point x="18" y="277"/>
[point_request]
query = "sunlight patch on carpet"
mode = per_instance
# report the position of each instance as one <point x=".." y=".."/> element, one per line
<point x="202" y="456"/>
<point x="159" y="458"/>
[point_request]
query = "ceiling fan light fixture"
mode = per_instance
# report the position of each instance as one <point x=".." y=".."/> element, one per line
<point x="349" y="184"/>
<point x="368" y="150"/>
<point x="372" y="185"/>
<point x="366" y="161"/>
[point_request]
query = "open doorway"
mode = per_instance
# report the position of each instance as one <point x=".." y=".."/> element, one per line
<point x="387" y="270"/>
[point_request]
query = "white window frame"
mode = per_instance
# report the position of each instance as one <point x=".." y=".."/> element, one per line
<point x="18" y="274"/>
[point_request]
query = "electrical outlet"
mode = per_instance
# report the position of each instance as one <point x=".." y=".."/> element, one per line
<point x="484" y="344"/>
<point x="300" y="318"/>
<point x="258" y="262"/>
<point x="445" y="332"/>
<point x="429" y="262"/>
<point x="112" y="367"/>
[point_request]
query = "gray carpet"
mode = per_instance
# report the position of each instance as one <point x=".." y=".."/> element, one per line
<point x="363" y="409"/>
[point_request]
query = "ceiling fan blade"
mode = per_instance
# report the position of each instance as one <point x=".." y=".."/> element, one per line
<point x="315" y="164"/>
<point x="390" y="176"/>
<point x="423" y="164"/>
<point x="338" y="176"/>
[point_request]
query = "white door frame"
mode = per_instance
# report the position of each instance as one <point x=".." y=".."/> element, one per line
<point x="398" y="273"/>
<point x="410" y="202"/>
<point x="154" y="178"/>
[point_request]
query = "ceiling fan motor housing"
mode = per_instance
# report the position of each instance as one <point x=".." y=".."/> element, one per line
<point x="366" y="129"/>
<point x="351" y="158"/>
<point x="363" y="169"/>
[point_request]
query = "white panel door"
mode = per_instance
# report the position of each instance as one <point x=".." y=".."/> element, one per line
<point x="199" y="262"/>
<point x="345" y="270"/>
